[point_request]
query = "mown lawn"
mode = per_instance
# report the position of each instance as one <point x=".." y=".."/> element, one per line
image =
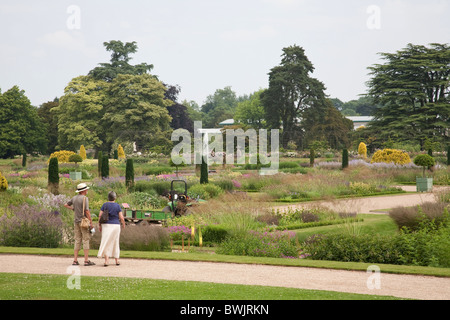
<point x="54" y="287"/>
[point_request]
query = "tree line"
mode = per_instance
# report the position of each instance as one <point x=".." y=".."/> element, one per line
<point x="120" y="103"/>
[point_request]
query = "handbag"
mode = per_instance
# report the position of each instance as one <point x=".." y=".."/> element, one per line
<point x="85" y="223"/>
<point x="105" y="215"/>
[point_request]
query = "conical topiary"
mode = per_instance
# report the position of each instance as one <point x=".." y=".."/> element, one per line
<point x="99" y="163"/>
<point x="83" y="153"/>
<point x="204" y="172"/>
<point x="105" y="167"/>
<point x="53" y="176"/>
<point x="344" y="158"/>
<point x="120" y="152"/>
<point x="129" y="174"/>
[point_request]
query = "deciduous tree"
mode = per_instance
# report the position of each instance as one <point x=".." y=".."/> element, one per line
<point x="21" y="129"/>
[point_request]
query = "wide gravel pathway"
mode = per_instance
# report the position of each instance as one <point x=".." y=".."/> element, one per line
<point x="402" y="286"/>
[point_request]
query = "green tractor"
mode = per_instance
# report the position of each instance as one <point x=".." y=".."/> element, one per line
<point x="179" y="202"/>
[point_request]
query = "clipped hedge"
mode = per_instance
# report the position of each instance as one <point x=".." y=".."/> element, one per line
<point x="429" y="246"/>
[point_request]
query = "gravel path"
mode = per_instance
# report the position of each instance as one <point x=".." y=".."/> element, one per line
<point x="375" y="204"/>
<point x="402" y="286"/>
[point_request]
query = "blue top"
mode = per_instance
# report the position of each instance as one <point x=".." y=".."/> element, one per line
<point x="113" y="209"/>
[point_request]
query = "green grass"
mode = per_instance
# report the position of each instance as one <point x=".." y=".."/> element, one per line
<point x="372" y="224"/>
<point x="54" y="287"/>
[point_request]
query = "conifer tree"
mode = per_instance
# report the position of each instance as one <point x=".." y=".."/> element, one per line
<point x="53" y="176"/>
<point x="99" y="163"/>
<point x="105" y="167"/>
<point x="83" y="152"/>
<point x="129" y="174"/>
<point x="204" y="172"/>
<point x="344" y="158"/>
<point x="120" y="152"/>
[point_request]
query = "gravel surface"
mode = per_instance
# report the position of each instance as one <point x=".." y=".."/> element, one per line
<point x="402" y="286"/>
<point x="374" y="205"/>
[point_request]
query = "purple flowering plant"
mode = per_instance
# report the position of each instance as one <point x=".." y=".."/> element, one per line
<point x="31" y="226"/>
<point x="178" y="232"/>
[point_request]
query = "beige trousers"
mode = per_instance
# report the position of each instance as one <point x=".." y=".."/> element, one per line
<point x="81" y="236"/>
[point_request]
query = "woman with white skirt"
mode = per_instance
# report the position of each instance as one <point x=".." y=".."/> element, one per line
<point x="109" y="245"/>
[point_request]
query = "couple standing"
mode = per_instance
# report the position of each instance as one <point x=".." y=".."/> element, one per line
<point x="109" y="246"/>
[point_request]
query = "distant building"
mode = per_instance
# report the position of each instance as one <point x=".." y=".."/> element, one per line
<point x="228" y="122"/>
<point x="360" y="121"/>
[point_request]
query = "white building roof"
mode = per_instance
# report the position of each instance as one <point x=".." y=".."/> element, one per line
<point x="360" y="119"/>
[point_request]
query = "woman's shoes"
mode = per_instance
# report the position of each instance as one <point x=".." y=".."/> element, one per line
<point x="107" y="264"/>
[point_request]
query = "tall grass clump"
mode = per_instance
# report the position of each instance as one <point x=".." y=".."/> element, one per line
<point x="30" y="226"/>
<point x="411" y="217"/>
<point x="278" y="244"/>
<point x="139" y="238"/>
<point x="237" y="213"/>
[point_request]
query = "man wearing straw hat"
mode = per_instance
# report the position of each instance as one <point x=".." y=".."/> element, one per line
<point x="82" y="235"/>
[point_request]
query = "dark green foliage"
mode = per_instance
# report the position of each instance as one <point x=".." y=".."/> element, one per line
<point x="129" y="173"/>
<point x="105" y="167"/>
<point x="204" y="172"/>
<point x="448" y="155"/>
<point x="213" y="233"/>
<point x="99" y="163"/>
<point x="425" y="161"/>
<point x="428" y="245"/>
<point x="411" y="87"/>
<point x="53" y="175"/>
<point x="22" y="131"/>
<point x="161" y="187"/>
<point x="24" y="160"/>
<point x="119" y="63"/>
<point x="311" y="158"/>
<point x="75" y="158"/>
<point x="116" y="154"/>
<point x="292" y="94"/>
<point x="344" y="158"/>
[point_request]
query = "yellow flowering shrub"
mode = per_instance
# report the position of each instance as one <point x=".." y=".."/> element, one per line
<point x="391" y="155"/>
<point x="362" y="150"/>
<point x="120" y="152"/>
<point x="83" y="152"/>
<point x="63" y="156"/>
<point x="3" y="183"/>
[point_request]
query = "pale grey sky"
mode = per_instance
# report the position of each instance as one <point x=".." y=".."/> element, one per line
<point x="205" y="45"/>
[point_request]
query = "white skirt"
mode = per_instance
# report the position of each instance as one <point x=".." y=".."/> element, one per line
<point x="109" y="246"/>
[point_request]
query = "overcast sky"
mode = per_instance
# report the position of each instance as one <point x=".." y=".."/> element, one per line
<point x="205" y="45"/>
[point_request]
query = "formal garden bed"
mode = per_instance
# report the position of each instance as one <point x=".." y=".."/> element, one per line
<point x="238" y="217"/>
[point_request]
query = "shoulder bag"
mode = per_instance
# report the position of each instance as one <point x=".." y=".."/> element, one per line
<point x="85" y="223"/>
<point x="105" y="215"/>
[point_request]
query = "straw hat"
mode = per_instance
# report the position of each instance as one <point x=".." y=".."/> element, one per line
<point x="81" y="187"/>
